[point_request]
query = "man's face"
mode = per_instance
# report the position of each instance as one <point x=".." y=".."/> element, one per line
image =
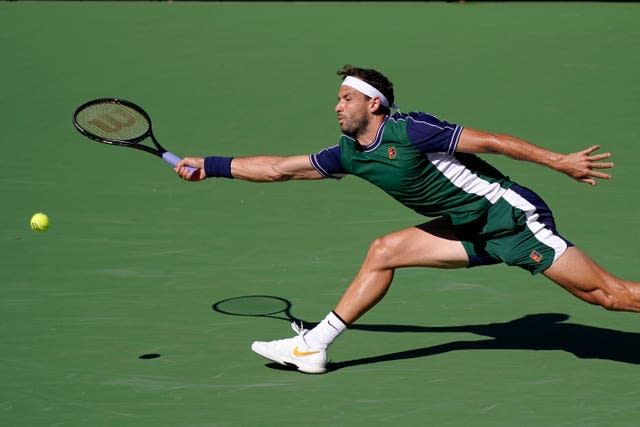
<point x="353" y="111"/>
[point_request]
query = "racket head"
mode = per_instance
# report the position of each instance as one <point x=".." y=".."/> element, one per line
<point x="113" y="121"/>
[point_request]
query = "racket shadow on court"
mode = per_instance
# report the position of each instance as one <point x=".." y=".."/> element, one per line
<point x="267" y="306"/>
<point x="536" y="332"/>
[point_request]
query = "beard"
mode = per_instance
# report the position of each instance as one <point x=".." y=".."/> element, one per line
<point x="353" y="127"/>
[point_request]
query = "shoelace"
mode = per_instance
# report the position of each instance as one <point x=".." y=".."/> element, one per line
<point x="298" y="329"/>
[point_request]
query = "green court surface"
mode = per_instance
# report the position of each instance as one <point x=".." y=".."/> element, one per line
<point x="106" y="319"/>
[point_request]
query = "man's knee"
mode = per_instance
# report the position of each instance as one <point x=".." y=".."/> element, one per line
<point x="383" y="250"/>
<point x="616" y="297"/>
<point x="606" y="300"/>
<point x="608" y="293"/>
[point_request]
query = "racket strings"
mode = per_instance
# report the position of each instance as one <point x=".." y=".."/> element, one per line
<point x="113" y="121"/>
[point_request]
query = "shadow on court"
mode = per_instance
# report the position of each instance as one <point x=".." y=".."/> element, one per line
<point x="532" y="332"/>
<point x="545" y="331"/>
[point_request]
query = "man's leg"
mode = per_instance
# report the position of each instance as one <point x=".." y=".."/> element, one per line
<point x="581" y="276"/>
<point x="433" y="244"/>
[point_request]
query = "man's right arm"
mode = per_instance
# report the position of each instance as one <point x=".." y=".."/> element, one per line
<point x="256" y="168"/>
<point x="273" y="168"/>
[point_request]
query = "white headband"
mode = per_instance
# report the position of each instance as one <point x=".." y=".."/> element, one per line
<point x="367" y="89"/>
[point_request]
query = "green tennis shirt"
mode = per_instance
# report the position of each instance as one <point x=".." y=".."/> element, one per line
<point x="413" y="159"/>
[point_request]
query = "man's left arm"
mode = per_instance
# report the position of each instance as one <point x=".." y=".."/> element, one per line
<point x="580" y="165"/>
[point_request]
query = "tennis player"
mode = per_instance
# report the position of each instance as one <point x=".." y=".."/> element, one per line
<point x="430" y="166"/>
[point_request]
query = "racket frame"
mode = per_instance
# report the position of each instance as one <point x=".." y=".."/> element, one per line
<point x="133" y="142"/>
<point x="159" y="150"/>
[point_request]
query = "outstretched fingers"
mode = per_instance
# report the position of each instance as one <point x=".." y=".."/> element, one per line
<point x="582" y="165"/>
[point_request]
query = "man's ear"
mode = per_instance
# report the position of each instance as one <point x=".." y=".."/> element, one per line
<point x="375" y="104"/>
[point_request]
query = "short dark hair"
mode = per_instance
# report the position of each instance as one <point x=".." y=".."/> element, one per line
<point x="374" y="78"/>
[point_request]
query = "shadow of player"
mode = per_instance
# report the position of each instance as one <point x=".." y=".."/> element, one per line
<point x="532" y="332"/>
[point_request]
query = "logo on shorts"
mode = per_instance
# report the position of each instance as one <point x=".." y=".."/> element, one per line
<point x="536" y="256"/>
<point x="392" y="152"/>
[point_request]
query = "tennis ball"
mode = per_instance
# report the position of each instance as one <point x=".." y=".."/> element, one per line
<point x="39" y="222"/>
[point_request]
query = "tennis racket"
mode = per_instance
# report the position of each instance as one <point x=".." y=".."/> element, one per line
<point x="118" y="122"/>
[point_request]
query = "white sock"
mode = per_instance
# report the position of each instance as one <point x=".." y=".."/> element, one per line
<point x="325" y="332"/>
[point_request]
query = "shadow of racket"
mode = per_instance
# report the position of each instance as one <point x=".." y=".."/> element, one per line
<point x="268" y="306"/>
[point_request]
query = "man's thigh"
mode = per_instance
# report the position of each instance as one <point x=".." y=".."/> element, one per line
<point x="432" y="244"/>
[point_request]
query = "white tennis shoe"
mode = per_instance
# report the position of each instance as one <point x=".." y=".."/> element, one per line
<point x="293" y="352"/>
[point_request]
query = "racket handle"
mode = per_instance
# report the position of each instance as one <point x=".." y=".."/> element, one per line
<point x="172" y="159"/>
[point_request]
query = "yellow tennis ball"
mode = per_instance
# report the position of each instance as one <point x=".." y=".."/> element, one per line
<point x="39" y="222"/>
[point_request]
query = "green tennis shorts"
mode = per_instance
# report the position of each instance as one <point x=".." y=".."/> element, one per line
<point x="518" y="230"/>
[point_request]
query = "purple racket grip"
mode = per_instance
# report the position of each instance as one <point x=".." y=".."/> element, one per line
<point x="172" y="159"/>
